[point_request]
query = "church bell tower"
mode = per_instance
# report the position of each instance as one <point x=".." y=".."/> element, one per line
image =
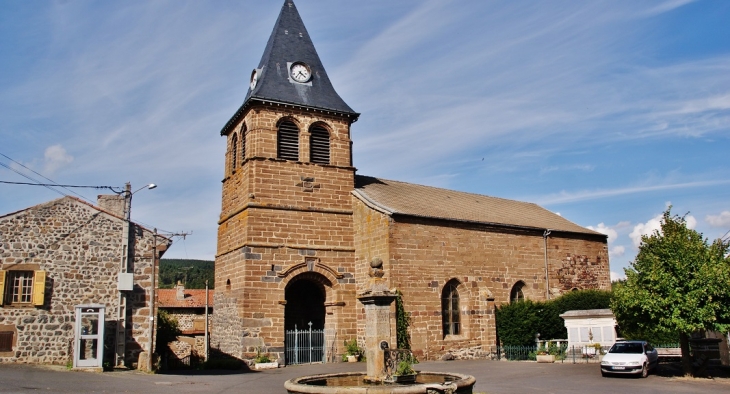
<point x="285" y="253"/>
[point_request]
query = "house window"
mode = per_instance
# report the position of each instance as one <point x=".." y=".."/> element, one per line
<point x="234" y="151"/>
<point x="20" y="287"/>
<point x="288" y="141"/>
<point x="6" y="341"/>
<point x="516" y="294"/>
<point x="24" y="288"/>
<point x="450" y="309"/>
<point x="319" y="145"/>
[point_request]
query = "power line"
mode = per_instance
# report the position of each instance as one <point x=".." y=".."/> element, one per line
<point x="64" y="186"/>
<point x="40" y="175"/>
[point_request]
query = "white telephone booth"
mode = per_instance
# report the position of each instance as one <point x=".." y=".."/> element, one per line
<point x="89" y="336"/>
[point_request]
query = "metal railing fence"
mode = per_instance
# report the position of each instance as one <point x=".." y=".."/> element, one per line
<point x="304" y="346"/>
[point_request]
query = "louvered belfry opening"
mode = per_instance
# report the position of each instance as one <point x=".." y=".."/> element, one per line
<point x="288" y="141"/>
<point x="234" y="151"/>
<point x="243" y="142"/>
<point x="319" y="145"/>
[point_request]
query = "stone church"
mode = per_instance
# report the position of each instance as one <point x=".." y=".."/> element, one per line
<point x="299" y="228"/>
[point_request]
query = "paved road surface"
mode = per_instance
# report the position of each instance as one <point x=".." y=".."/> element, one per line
<point x="493" y="377"/>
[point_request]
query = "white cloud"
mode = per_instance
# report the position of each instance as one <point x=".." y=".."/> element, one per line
<point x="603" y="229"/>
<point x="645" y="229"/>
<point x="585" y="195"/>
<point x="721" y="220"/>
<point x="55" y="158"/>
<point x="667" y="6"/>
<point x="655" y="224"/>
<point x="617" y="251"/>
<point x="691" y="222"/>
<point x="616" y="276"/>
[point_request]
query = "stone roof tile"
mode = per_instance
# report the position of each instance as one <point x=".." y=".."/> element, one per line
<point x="401" y="198"/>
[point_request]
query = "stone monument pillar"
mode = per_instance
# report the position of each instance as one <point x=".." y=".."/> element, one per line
<point x="377" y="299"/>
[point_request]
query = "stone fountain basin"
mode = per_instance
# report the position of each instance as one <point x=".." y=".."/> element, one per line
<point x="353" y="383"/>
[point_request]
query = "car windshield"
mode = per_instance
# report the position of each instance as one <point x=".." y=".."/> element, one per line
<point x="632" y="348"/>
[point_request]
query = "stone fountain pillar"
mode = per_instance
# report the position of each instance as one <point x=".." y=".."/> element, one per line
<point x="377" y="299"/>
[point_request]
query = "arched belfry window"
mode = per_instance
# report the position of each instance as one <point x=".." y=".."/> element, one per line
<point x="516" y="295"/>
<point x="450" y="315"/>
<point x="243" y="142"/>
<point x="288" y="141"/>
<point x="319" y="145"/>
<point x="234" y="151"/>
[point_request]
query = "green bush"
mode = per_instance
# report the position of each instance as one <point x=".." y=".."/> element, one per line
<point x="404" y="368"/>
<point x="167" y="331"/>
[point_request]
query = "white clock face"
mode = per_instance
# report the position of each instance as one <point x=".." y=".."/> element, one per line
<point x="300" y="72"/>
<point x="254" y="78"/>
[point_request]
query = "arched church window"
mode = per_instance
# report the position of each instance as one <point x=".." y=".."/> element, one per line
<point x="288" y="141"/>
<point x="319" y="145"/>
<point x="516" y="295"/>
<point x="244" y="131"/>
<point x="450" y="309"/>
<point x="234" y="151"/>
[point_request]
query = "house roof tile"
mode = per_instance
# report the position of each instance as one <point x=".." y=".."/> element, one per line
<point x="194" y="298"/>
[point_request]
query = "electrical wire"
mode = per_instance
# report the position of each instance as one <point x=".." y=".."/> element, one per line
<point x="49" y="186"/>
<point x="53" y="184"/>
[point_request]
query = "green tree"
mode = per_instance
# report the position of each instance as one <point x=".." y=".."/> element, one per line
<point x="678" y="283"/>
<point x="167" y="331"/>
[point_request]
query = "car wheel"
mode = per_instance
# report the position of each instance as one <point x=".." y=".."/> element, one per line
<point x="604" y="374"/>
<point x="644" y="371"/>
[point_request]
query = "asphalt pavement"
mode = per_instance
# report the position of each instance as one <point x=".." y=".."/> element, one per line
<point x="492" y="377"/>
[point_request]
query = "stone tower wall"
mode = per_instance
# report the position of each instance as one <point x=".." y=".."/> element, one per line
<point x="281" y="219"/>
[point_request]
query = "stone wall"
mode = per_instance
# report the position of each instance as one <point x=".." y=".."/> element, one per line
<point x="79" y="247"/>
<point x="486" y="261"/>
<point x="187" y="317"/>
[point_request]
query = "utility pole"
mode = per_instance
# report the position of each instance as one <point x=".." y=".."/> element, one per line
<point x="124" y="281"/>
<point x="121" y="336"/>
<point x="206" y="320"/>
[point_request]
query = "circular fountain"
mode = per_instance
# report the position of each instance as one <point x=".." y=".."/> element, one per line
<point x="354" y="383"/>
<point x="381" y="374"/>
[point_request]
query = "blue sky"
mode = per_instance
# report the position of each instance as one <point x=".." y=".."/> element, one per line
<point x="602" y="111"/>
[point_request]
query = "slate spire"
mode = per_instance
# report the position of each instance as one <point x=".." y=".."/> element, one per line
<point x="288" y="45"/>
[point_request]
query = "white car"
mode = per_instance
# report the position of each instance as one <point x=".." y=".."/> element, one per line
<point x="629" y="357"/>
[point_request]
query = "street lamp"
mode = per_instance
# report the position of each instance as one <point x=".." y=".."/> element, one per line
<point x="128" y="198"/>
<point x="124" y="267"/>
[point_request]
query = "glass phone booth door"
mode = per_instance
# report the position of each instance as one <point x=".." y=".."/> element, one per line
<point x="89" y="337"/>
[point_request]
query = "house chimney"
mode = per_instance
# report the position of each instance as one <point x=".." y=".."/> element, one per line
<point x="180" y="291"/>
<point x="111" y="203"/>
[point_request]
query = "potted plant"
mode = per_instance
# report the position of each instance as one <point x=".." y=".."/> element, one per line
<point x="263" y="361"/>
<point x="542" y="356"/>
<point x="404" y="373"/>
<point x="599" y="351"/>
<point x="352" y="351"/>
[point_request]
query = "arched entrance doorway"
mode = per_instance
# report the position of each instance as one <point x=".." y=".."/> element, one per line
<point x="304" y="304"/>
<point x="305" y="297"/>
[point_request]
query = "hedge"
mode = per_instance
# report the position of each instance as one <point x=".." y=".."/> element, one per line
<point x="517" y="323"/>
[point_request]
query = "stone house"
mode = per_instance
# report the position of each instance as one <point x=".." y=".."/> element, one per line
<point x="187" y="306"/>
<point x="67" y="252"/>
<point x="299" y="228"/>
